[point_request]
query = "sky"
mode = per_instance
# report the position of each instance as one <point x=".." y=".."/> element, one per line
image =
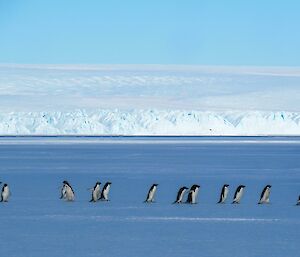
<point x="258" y="33"/>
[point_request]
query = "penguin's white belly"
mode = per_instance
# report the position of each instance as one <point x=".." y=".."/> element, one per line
<point x="194" y="195"/>
<point x="96" y="194"/>
<point x="105" y="193"/>
<point x="181" y="196"/>
<point x="266" y="197"/>
<point x="239" y="196"/>
<point x="151" y="195"/>
<point x="225" y="194"/>
<point x="69" y="194"/>
<point x="5" y="194"/>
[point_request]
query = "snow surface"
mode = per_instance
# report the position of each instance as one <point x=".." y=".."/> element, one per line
<point x="148" y="100"/>
<point x="37" y="223"/>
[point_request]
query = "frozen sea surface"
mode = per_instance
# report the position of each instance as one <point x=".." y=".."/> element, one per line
<point x="35" y="223"/>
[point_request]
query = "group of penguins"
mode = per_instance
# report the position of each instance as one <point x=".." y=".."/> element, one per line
<point x="68" y="194"/>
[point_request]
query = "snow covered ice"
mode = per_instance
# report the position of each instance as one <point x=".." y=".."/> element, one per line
<point x="148" y="100"/>
<point x="149" y="122"/>
<point x="37" y="223"/>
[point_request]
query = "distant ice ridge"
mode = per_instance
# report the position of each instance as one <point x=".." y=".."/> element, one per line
<point x="68" y="87"/>
<point x="149" y="122"/>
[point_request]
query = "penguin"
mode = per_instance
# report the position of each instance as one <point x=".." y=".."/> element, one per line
<point x="193" y="194"/>
<point x="298" y="202"/>
<point x="5" y="193"/>
<point x="224" y="193"/>
<point x="238" y="194"/>
<point x="151" y="193"/>
<point x="105" y="191"/>
<point x="96" y="193"/>
<point x="67" y="191"/>
<point x="265" y="195"/>
<point x="180" y="194"/>
<point x="63" y="190"/>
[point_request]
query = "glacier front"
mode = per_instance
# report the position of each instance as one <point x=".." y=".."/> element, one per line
<point x="150" y="122"/>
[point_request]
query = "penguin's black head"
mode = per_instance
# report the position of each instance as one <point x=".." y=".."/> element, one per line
<point x="155" y="185"/>
<point x="185" y="188"/>
<point x="269" y="186"/>
<point x="98" y="183"/>
<point x="65" y="182"/>
<point x="108" y="183"/>
<point x="226" y="185"/>
<point x="242" y="186"/>
<point x="195" y="186"/>
<point x="5" y="185"/>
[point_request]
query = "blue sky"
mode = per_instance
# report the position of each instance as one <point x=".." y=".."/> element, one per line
<point x="151" y="32"/>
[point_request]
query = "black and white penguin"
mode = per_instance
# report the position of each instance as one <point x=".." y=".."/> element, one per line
<point x="63" y="190"/>
<point x="265" y="195"/>
<point x="67" y="192"/>
<point x="298" y="202"/>
<point x="96" y="193"/>
<point x="193" y="194"/>
<point x="105" y="191"/>
<point x="224" y="193"/>
<point x="180" y="194"/>
<point x="151" y="194"/>
<point x="5" y="193"/>
<point x="238" y="194"/>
